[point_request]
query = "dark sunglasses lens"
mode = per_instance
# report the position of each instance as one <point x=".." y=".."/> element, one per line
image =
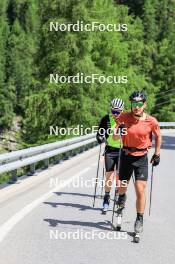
<point x="114" y="112"/>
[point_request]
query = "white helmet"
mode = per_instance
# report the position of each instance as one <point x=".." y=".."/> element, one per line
<point x="117" y="104"/>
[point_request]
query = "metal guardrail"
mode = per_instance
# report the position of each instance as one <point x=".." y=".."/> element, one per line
<point x="167" y="124"/>
<point x="10" y="162"/>
<point x="28" y="152"/>
<point x="30" y="156"/>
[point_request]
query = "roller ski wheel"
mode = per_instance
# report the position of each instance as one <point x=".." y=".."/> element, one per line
<point x="118" y="228"/>
<point x="104" y="212"/>
<point x="105" y="209"/>
<point x="136" y="238"/>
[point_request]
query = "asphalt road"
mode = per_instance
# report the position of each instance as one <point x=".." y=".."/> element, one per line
<point x="48" y="218"/>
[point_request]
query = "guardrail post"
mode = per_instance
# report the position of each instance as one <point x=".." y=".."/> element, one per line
<point x="32" y="169"/>
<point x="46" y="163"/>
<point x="71" y="153"/>
<point x="13" y="178"/>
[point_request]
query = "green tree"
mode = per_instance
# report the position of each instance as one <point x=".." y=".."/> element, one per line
<point x="68" y="53"/>
<point x="22" y="47"/>
<point x="135" y="6"/>
<point x="164" y="68"/>
<point x="6" y="93"/>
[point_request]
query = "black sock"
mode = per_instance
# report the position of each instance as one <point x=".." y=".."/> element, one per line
<point x="122" y="195"/>
<point x="140" y="216"/>
<point x="121" y="198"/>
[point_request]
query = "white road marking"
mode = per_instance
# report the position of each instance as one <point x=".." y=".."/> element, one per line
<point x="8" y="226"/>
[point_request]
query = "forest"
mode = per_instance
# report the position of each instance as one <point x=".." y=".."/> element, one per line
<point x="30" y="52"/>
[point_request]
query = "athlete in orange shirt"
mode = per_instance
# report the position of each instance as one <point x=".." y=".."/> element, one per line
<point x="136" y="143"/>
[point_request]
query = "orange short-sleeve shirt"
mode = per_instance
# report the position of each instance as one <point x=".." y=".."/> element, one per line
<point x="139" y="132"/>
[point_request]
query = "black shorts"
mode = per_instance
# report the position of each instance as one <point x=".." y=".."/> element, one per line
<point x="111" y="158"/>
<point x="136" y="164"/>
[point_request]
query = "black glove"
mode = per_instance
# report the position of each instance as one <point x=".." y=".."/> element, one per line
<point x="100" y="139"/>
<point x="155" y="160"/>
<point x="121" y="126"/>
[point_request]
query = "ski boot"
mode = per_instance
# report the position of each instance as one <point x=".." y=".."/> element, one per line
<point x="106" y="203"/>
<point x="138" y="229"/>
<point x="119" y="210"/>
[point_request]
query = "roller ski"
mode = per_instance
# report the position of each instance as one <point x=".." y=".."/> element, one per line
<point x="119" y="211"/>
<point x="106" y="202"/>
<point x="119" y="214"/>
<point x="138" y="229"/>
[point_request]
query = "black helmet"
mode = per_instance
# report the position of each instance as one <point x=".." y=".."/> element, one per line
<point x="137" y="96"/>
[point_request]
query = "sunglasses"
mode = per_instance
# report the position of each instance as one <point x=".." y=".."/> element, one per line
<point x="135" y="104"/>
<point x="115" y="112"/>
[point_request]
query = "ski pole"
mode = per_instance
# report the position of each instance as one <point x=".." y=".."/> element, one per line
<point x="103" y="180"/>
<point x="133" y="179"/>
<point x="150" y="201"/>
<point x="115" y="198"/>
<point x="117" y="178"/>
<point x="96" y="180"/>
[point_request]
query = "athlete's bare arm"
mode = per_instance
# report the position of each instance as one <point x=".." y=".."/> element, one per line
<point x="158" y="142"/>
<point x="116" y="135"/>
<point x="119" y="121"/>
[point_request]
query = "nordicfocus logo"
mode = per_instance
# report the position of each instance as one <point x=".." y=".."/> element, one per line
<point x="81" y="234"/>
<point x="85" y="183"/>
<point x="81" y="26"/>
<point x="80" y="130"/>
<point x="82" y="78"/>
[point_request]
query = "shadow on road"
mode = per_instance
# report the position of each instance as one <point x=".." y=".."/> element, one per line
<point x="79" y="206"/>
<point x="78" y="194"/>
<point x="98" y="225"/>
<point x="106" y="225"/>
<point x="131" y="234"/>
